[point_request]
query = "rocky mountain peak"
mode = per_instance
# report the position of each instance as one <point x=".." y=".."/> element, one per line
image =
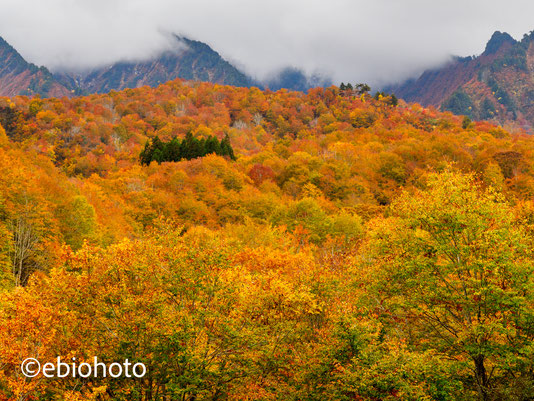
<point x="498" y="39"/>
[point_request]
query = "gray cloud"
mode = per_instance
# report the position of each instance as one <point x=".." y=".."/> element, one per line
<point x="376" y="41"/>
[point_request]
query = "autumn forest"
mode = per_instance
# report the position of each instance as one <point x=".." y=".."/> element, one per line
<point x="246" y="244"/>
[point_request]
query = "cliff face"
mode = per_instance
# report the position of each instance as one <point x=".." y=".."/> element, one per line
<point x="498" y="85"/>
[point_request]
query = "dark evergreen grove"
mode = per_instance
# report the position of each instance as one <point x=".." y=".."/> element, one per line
<point x="189" y="148"/>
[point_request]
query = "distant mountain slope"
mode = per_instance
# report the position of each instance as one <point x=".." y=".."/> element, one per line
<point x="18" y="77"/>
<point x="191" y="60"/>
<point x="498" y="85"/>
<point x="295" y="79"/>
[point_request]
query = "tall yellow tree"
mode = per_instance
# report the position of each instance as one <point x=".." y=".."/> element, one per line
<point x="451" y="270"/>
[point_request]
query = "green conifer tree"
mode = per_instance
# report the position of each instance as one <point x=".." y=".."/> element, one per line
<point x="226" y="147"/>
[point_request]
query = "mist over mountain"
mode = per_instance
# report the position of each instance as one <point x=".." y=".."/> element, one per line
<point x="190" y="60"/>
<point x="187" y="59"/>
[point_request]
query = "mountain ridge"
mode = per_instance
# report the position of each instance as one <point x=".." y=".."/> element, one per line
<point x="189" y="59"/>
<point x="193" y="61"/>
<point x="497" y="85"/>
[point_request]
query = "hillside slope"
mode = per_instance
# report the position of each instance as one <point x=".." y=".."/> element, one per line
<point x="307" y="265"/>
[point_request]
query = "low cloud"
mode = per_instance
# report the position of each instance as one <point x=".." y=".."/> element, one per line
<point x="375" y="41"/>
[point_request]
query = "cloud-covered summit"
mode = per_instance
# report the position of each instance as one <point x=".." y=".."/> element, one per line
<point x="375" y="41"/>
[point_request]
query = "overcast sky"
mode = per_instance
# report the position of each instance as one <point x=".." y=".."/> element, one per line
<point x="373" y="41"/>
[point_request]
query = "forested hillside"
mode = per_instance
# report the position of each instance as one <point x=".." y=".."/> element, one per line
<point x="347" y="248"/>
